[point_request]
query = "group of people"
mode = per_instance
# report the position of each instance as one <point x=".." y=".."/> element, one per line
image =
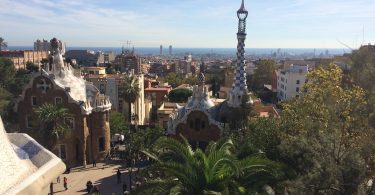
<point x="65" y="180"/>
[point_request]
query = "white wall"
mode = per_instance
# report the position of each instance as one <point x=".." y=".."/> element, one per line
<point x="290" y="82"/>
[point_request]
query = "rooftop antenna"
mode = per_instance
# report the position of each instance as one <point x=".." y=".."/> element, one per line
<point x="363" y="35"/>
<point x="347" y="46"/>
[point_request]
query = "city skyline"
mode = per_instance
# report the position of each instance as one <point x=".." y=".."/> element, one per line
<point x="193" y="23"/>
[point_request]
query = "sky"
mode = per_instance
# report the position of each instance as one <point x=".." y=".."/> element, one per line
<point x="189" y="23"/>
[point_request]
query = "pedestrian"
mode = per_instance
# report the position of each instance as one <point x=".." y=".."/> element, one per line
<point x="58" y="179"/>
<point x="88" y="186"/>
<point x="94" y="163"/>
<point x="66" y="183"/>
<point x="51" y="188"/>
<point x="118" y="176"/>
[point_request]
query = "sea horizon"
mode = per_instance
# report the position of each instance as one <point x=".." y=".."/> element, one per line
<point x="201" y="51"/>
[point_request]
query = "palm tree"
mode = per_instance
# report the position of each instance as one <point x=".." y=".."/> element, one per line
<point x="3" y="44"/>
<point x="215" y="171"/>
<point x="53" y="124"/>
<point x="130" y="91"/>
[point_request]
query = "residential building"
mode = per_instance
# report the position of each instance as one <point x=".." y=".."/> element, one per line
<point x="20" y="58"/>
<point x="290" y="81"/>
<point x="128" y="62"/>
<point x="109" y="84"/>
<point x="90" y="58"/>
<point x="41" y="45"/>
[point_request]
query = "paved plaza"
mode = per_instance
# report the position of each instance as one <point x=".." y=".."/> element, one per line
<point x="103" y="176"/>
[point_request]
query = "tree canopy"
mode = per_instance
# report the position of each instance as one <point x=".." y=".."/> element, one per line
<point x="3" y="44"/>
<point x="215" y="171"/>
<point x="179" y="95"/>
<point x="325" y="136"/>
<point x="262" y="74"/>
<point x="117" y="123"/>
<point x="53" y="124"/>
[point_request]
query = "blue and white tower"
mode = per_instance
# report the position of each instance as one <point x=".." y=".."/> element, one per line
<point x="239" y="87"/>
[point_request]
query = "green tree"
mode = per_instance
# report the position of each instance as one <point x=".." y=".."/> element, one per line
<point x="32" y="67"/>
<point x="180" y="95"/>
<point x="117" y="123"/>
<point x="5" y="99"/>
<point x="216" y="171"/>
<point x="363" y="72"/>
<point x="363" y="67"/>
<point x="130" y="92"/>
<point x="173" y="79"/>
<point x="143" y="139"/>
<point x="325" y="136"/>
<point x="3" y="44"/>
<point x="262" y="74"/>
<point x="21" y="79"/>
<point x="7" y="72"/>
<point x="53" y="126"/>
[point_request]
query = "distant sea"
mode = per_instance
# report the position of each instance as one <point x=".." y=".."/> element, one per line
<point x="203" y="51"/>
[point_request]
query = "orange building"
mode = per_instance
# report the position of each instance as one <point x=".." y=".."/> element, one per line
<point x="20" y="58"/>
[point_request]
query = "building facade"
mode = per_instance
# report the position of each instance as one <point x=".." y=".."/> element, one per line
<point x="41" y="45"/>
<point x="20" y="58"/>
<point x="129" y="62"/>
<point x="196" y="120"/>
<point x="290" y="81"/>
<point x="109" y="84"/>
<point x="88" y="135"/>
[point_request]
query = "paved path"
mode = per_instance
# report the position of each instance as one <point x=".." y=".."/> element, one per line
<point x="103" y="176"/>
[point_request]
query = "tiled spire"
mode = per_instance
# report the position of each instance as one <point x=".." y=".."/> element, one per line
<point x="239" y="87"/>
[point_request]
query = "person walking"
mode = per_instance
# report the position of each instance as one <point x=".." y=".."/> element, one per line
<point x="94" y="163"/>
<point x="66" y="183"/>
<point x="58" y="179"/>
<point x="118" y="176"/>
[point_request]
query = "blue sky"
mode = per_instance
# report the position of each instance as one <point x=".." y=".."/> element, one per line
<point x="189" y="23"/>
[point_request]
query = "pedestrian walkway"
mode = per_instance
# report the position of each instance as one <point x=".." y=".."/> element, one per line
<point x="102" y="175"/>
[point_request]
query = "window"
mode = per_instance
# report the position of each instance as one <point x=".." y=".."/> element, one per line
<point x="34" y="101"/>
<point x="203" y="125"/>
<point x="102" y="88"/>
<point x="165" y="124"/>
<point x="69" y="122"/>
<point x="58" y="100"/>
<point x="101" y="144"/>
<point x="120" y="105"/>
<point x="62" y="151"/>
<point x="297" y="82"/>
<point x="197" y="124"/>
<point x="29" y="122"/>
<point x="297" y="89"/>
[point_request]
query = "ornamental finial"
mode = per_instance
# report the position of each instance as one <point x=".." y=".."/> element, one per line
<point x="242" y="8"/>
